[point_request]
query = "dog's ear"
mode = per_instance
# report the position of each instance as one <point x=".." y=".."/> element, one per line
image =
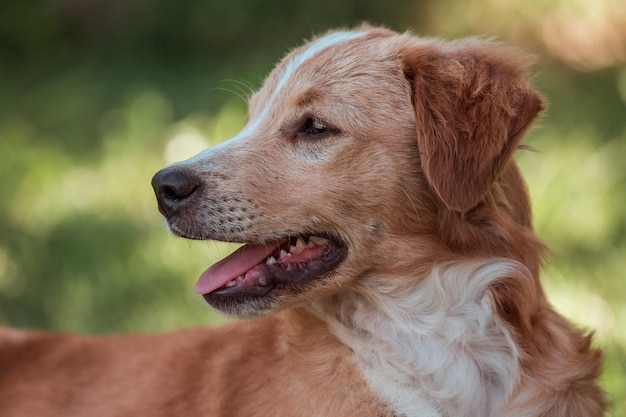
<point x="472" y="106"/>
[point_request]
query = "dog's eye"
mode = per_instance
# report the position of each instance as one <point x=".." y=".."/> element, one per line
<point x="314" y="126"/>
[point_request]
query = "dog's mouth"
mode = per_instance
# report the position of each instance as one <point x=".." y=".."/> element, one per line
<point x="258" y="269"/>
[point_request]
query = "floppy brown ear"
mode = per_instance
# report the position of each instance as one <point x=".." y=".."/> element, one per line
<point x="472" y="106"/>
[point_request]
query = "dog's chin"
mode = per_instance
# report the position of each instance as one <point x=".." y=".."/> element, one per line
<point x="290" y="269"/>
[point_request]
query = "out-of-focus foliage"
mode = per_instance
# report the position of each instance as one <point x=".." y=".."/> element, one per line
<point x="97" y="95"/>
<point x="586" y="34"/>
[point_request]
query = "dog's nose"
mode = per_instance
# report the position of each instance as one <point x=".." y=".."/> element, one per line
<point x="174" y="187"/>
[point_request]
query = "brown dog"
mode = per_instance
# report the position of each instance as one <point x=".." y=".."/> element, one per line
<point x="388" y="249"/>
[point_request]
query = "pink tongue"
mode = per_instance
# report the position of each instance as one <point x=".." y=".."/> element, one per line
<point x="235" y="264"/>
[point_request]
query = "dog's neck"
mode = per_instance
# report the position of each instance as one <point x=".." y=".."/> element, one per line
<point x="436" y="349"/>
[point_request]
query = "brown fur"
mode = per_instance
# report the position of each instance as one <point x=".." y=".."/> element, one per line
<point x="417" y="173"/>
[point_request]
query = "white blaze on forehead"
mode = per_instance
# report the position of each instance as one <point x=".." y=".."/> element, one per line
<point x="311" y="50"/>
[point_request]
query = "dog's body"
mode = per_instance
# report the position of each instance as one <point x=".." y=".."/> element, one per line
<point x="388" y="232"/>
<point x="268" y="367"/>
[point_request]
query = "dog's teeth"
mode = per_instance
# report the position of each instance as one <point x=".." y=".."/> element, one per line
<point x="300" y="245"/>
<point x="230" y="283"/>
<point x="318" y="240"/>
<point x="283" y="254"/>
<point x="239" y="278"/>
<point x="270" y="261"/>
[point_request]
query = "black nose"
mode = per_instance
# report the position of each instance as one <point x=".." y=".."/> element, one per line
<point x="174" y="188"/>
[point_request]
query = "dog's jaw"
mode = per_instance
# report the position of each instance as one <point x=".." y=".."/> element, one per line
<point x="256" y="275"/>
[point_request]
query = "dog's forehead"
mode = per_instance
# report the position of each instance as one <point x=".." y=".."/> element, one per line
<point x="328" y="59"/>
<point x="324" y="48"/>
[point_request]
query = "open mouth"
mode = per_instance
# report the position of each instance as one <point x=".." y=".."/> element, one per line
<point x="257" y="269"/>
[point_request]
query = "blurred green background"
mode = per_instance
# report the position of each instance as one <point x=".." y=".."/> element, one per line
<point x="97" y="95"/>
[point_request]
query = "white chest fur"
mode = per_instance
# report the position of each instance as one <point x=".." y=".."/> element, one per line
<point x="436" y="348"/>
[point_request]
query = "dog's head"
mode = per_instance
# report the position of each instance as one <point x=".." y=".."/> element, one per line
<point x="364" y="154"/>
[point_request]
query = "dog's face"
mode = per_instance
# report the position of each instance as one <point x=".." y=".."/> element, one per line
<point x="356" y="142"/>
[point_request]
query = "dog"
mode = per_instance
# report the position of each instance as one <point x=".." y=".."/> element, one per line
<point x="388" y="268"/>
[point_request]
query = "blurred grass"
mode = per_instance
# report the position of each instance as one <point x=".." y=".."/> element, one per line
<point x="93" y="101"/>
